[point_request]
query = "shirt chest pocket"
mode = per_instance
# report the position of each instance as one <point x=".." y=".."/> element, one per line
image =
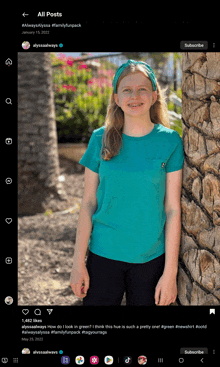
<point x="155" y="171"/>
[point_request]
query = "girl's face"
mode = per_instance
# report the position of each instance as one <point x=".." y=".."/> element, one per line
<point x="135" y="95"/>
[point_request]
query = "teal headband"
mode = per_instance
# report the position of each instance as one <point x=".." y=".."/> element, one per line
<point x="148" y="69"/>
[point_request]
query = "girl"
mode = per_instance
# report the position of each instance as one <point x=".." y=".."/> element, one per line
<point x="130" y="214"/>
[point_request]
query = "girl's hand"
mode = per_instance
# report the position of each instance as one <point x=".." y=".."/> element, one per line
<point x="166" y="290"/>
<point x="79" y="280"/>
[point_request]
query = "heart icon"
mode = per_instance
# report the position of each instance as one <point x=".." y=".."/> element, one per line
<point x="25" y="311"/>
<point x="8" y="220"/>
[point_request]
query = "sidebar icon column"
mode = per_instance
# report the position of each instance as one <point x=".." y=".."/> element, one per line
<point x="9" y="177"/>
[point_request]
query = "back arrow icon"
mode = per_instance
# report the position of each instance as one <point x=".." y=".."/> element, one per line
<point x="24" y="14"/>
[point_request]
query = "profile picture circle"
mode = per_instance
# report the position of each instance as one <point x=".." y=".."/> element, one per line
<point x="142" y="360"/>
<point x="26" y="45"/>
<point x="26" y="351"/>
<point x="8" y="300"/>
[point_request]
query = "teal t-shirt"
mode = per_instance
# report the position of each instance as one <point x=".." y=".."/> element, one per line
<point x="128" y="224"/>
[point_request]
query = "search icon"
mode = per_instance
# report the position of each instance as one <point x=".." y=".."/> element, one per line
<point x="8" y="100"/>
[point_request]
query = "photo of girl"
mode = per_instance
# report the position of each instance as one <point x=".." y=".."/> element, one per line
<point x="131" y="214"/>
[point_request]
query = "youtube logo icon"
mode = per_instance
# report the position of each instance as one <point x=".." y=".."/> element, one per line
<point x="108" y="360"/>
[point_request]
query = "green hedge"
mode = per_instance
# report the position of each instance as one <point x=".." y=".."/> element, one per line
<point x="81" y="100"/>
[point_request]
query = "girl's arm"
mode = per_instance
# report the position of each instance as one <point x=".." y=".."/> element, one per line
<point x="166" y="290"/>
<point x="172" y="242"/>
<point x="173" y="220"/>
<point x="88" y="208"/>
<point x="79" y="273"/>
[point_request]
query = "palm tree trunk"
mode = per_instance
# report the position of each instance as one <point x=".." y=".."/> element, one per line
<point x="199" y="265"/>
<point x="38" y="163"/>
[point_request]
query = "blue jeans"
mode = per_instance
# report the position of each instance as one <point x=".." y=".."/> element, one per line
<point x="109" y="279"/>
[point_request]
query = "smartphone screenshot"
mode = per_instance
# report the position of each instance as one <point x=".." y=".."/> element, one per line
<point x="111" y="187"/>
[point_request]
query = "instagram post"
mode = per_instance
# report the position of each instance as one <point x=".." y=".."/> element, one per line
<point x="113" y="195"/>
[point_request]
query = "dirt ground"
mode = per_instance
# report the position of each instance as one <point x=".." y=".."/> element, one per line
<point x="46" y="247"/>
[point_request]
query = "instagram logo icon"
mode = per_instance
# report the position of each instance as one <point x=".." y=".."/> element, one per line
<point x="94" y="360"/>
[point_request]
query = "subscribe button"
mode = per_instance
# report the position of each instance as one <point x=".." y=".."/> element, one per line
<point x="193" y="45"/>
<point x="194" y="351"/>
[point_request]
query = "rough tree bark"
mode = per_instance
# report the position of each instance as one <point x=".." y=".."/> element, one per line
<point x="199" y="265"/>
<point x="38" y="163"/>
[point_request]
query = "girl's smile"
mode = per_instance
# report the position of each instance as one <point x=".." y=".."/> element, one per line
<point x="135" y="105"/>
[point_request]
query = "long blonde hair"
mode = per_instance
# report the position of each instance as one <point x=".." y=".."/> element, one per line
<point x="114" y="123"/>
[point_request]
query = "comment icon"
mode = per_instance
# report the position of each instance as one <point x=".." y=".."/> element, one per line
<point x="37" y="311"/>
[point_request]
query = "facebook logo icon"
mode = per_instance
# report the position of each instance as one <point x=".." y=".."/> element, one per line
<point x="65" y="360"/>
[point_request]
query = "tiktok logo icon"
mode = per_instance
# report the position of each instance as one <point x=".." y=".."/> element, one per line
<point x="127" y="360"/>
